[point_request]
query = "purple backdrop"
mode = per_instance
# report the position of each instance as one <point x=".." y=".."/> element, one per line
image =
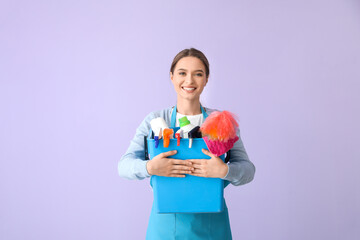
<point x="78" y="77"/>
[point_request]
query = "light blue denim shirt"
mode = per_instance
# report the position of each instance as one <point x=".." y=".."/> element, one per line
<point x="132" y="164"/>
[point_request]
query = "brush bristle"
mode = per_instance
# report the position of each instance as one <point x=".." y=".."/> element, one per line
<point x="220" y="125"/>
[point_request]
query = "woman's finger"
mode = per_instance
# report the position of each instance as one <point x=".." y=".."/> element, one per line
<point x="207" y="152"/>
<point x="180" y="162"/>
<point x="176" y="171"/>
<point x="197" y="174"/>
<point x="167" y="154"/>
<point x="176" y="175"/>
<point x="197" y="170"/>
<point x="197" y="166"/>
<point x="197" y="161"/>
<point x="182" y="167"/>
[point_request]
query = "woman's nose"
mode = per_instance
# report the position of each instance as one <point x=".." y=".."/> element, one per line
<point x="189" y="79"/>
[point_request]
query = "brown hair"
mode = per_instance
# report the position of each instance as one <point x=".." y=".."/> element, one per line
<point x="191" y="52"/>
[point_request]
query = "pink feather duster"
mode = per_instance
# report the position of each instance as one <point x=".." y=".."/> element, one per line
<point x="219" y="132"/>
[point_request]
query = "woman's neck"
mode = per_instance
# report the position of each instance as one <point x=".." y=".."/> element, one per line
<point x="187" y="107"/>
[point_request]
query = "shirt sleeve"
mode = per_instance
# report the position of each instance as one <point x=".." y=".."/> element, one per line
<point x="132" y="164"/>
<point x="241" y="170"/>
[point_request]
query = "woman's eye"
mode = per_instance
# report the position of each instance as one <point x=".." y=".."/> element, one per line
<point x="199" y="74"/>
<point x="182" y="73"/>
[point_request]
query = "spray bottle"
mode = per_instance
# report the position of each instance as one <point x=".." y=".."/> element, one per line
<point x="158" y="126"/>
<point x="185" y="128"/>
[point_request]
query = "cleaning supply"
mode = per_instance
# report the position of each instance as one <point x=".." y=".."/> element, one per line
<point x="178" y="137"/>
<point x="157" y="126"/>
<point x="156" y="141"/>
<point x="194" y="133"/>
<point x="185" y="127"/>
<point x="219" y="132"/>
<point x="167" y="134"/>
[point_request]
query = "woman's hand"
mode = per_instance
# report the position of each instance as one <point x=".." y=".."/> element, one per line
<point x="160" y="165"/>
<point x="213" y="167"/>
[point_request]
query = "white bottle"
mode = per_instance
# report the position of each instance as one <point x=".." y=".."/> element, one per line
<point x="185" y="127"/>
<point x="158" y="125"/>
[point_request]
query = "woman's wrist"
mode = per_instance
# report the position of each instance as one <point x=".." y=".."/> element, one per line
<point x="224" y="170"/>
<point x="148" y="167"/>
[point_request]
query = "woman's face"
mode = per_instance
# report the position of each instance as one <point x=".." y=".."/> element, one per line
<point x="189" y="78"/>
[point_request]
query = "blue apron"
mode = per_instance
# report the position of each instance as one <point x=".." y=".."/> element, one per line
<point x="188" y="226"/>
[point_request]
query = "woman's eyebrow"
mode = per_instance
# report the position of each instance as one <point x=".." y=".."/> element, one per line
<point x="199" y="70"/>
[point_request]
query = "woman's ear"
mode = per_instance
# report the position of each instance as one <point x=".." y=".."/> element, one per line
<point x="171" y="76"/>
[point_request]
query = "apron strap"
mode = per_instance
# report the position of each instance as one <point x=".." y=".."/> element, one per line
<point x="173" y="116"/>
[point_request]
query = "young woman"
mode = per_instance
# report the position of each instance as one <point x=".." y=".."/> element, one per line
<point x="189" y="74"/>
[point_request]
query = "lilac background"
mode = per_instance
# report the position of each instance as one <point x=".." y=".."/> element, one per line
<point x="78" y="77"/>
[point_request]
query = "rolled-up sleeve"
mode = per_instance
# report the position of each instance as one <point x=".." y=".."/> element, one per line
<point x="241" y="169"/>
<point x="132" y="164"/>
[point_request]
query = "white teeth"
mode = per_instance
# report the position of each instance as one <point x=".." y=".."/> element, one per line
<point x="189" y="89"/>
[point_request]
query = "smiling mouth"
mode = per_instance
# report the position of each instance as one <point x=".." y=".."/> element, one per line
<point x="188" y="90"/>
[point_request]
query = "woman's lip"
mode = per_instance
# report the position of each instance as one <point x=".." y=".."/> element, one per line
<point x="188" y="91"/>
<point x="188" y="87"/>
